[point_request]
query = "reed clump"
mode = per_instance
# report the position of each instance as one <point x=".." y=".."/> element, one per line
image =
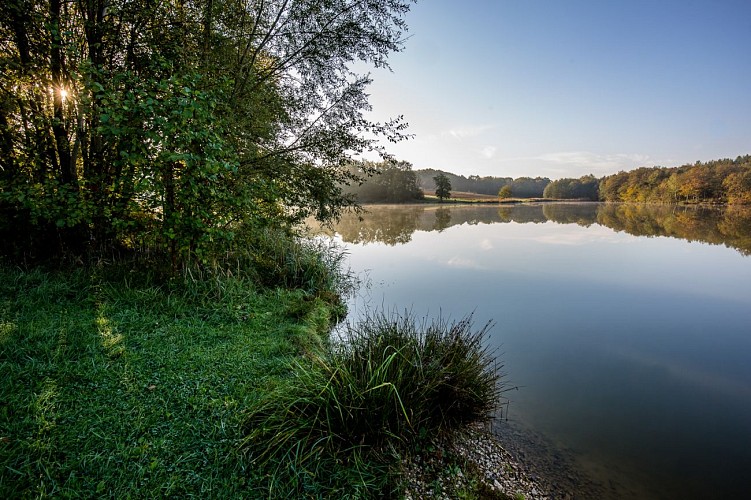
<point x="345" y="415"/>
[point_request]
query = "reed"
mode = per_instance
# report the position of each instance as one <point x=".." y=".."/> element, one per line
<point x="391" y="384"/>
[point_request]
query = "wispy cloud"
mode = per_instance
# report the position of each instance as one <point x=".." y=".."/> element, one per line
<point x="464" y="132"/>
<point x="596" y="162"/>
<point x="578" y="163"/>
<point x="488" y="151"/>
<point x="463" y="263"/>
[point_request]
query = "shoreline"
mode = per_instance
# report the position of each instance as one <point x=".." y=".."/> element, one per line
<point x="499" y="461"/>
<point x="553" y="468"/>
<point x="505" y="460"/>
<point x="559" y="472"/>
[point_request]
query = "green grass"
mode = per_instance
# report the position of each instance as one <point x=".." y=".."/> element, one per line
<point x="348" y="415"/>
<point x="121" y="390"/>
<point x="121" y="380"/>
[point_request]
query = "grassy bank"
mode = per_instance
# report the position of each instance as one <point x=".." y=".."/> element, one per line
<point x="460" y="197"/>
<point x="116" y="389"/>
<point x="222" y="385"/>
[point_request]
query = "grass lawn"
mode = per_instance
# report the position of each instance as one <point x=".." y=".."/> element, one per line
<point x="464" y="197"/>
<point x="124" y="390"/>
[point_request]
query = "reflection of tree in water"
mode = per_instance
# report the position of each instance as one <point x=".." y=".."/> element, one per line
<point x="385" y="224"/>
<point x="735" y="226"/>
<point x="636" y="219"/>
<point x="521" y="213"/>
<point x="442" y="219"/>
<point x="583" y="214"/>
<point x="729" y="226"/>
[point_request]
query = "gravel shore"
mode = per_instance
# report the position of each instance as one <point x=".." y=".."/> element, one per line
<point x="500" y="462"/>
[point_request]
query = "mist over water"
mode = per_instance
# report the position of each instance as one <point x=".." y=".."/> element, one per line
<point x="625" y="327"/>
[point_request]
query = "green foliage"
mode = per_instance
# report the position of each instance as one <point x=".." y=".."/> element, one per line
<point x="118" y="133"/>
<point x="314" y="266"/>
<point x="528" y="187"/>
<point x="442" y="187"/>
<point x="389" y="182"/>
<point x="505" y="192"/>
<point x="388" y="385"/>
<point x="472" y="184"/>
<point x="584" y="188"/>
<point x="522" y="187"/>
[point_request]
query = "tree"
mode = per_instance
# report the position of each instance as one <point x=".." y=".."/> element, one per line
<point x="125" y="122"/>
<point x="584" y="188"/>
<point x="389" y="181"/>
<point x="527" y="187"/>
<point x="738" y="187"/>
<point x="714" y="181"/>
<point x="442" y="187"/>
<point x="505" y="192"/>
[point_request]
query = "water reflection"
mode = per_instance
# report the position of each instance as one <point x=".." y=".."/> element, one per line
<point x="631" y="351"/>
<point x="395" y="224"/>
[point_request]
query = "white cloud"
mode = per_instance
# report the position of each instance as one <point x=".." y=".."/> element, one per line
<point x="488" y="151"/>
<point x="577" y="238"/>
<point x="595" y="162"/>
<point x="465" y="132"/>
<point x="461" y="262"/>
<point x="575" y="163"/>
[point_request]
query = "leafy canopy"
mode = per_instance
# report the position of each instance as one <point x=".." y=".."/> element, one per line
<point x="442" y="186"/>
<point x="386" y="181"/>
<point x="172" y="124"/>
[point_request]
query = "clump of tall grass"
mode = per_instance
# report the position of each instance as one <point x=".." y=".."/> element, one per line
<point x="279" y="259"/>
<point x="273" y="257"/>
<point x="393" y="382"/>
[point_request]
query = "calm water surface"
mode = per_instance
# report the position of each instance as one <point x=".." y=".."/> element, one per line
<point x="627" y="329"/>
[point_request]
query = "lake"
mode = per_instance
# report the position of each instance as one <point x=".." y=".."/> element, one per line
<point x="627" y="328"/>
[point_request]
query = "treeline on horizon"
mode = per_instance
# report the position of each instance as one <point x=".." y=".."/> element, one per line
<point x="396" y="224"/>
<point x="397" y="182"/>
<point x="521" y="187"/>
<point x="722" y="181"/>
<point x="718" y="181"/>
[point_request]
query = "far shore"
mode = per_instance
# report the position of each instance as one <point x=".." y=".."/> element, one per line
<point x="480" y="199"/>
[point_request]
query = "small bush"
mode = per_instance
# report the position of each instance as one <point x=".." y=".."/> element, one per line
<point x="390" y="384"/>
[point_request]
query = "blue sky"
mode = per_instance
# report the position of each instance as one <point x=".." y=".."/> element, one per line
<point x="565" y="88"/>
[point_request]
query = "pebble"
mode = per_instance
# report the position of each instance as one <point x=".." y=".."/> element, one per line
<point x="430" y="476"/>
<point x="540" y="473"/>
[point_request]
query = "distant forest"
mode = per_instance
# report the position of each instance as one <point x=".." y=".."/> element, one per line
<point x="719" y="181"/>
<point x="723" y="181"/>
<point x="396" y="182"/>
<point x="521" y="187"/>
<point x="384" y="182"/>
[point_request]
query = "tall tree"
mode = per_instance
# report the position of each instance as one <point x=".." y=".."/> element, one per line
<point x="125" y="119"/>
<point x="442" y="187"/>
